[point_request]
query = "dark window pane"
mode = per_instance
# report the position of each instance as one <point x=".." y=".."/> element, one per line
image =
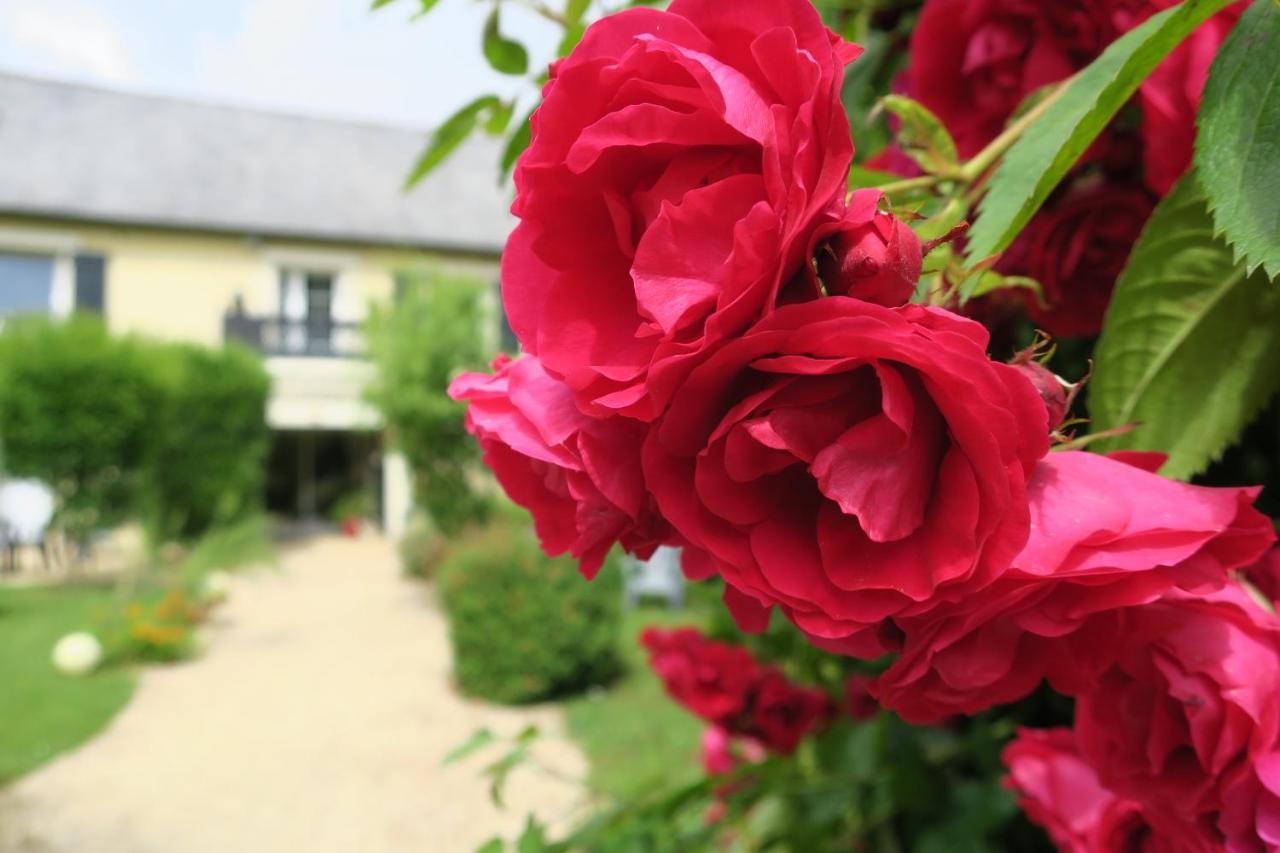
<point x="91" y="283"/>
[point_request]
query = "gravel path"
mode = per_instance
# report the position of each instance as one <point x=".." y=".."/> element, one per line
<point x="315" y="722"/>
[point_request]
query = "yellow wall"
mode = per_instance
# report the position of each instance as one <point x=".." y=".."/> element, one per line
<point x="178" y="285"/>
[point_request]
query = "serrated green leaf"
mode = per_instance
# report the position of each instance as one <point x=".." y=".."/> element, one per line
<point x="922" y="136"/>
<point x="479" y="739"/>
<point x="503" y="54"/>
<point x="1054" y="142"/>
<point x="1238" y="144"/>
<point x="1190" y="349"/>
<point x="450" y="135"/>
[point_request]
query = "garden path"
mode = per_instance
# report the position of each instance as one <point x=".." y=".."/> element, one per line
<point x="316" y="721"/>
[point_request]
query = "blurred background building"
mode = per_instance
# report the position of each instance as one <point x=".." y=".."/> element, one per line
<point x="205" y="223"/>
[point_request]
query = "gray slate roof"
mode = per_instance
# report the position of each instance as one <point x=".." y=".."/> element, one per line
<point x="70" y="151"/>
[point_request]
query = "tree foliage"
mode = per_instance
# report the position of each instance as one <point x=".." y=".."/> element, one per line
<point x="433" y="332"/>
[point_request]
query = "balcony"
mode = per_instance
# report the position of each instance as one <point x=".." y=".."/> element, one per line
<point x="310" y="337"/>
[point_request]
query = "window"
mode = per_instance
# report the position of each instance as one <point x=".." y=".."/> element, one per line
<point x="306" y="311"/>
<point x="26" y="284"/>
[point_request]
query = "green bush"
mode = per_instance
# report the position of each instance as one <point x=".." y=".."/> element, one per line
<point x="422" y="548"/>
<point x="524" y="626"/>
<point x="208" y="450"/>
<point x="432" y="333"/>
<point x="77" y="412"/>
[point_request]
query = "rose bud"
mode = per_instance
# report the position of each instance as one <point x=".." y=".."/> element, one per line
<point x="1050" y="388"/>
<point x="875" y="256"/>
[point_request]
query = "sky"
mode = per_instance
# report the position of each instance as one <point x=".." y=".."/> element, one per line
<point x="330" y="58"/>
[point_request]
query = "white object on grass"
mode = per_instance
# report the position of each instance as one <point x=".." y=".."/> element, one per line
<point x="216" y="587"/>
<point x="77" y="654"/>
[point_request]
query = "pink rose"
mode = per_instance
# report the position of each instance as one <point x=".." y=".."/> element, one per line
<point x="1188" y="706"/>
<point x="1060" y="792"/>
<point x="715" y="681"/>
<point x="723" y="752"/>
<point x="579" y="477"/>
<point x="849" y="463"/>
<point x="1105" y="536"/>
<point x="681" y="165"/>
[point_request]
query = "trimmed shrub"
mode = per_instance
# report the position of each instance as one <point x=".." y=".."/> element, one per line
<point x="208" y="451"/>
<point x="525" y="626"/>
<point x="76" y="411"/>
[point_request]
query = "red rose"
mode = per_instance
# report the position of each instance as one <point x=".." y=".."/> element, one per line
<point x="1170" y="96"/>
<point x="873" y="256"/>
<point x="1076" y="247"/>
<point x="1265" y="574"/>
<point x="858" y="701"/>
<point x="783" y="714"/>
<point x="681" y="165"/>
<point x="715" y="681"/>
<point x="1105" y="536"/>
<point x="974" y="61"/>
<point x="1052" y="390"/>
<point x="579" y="477"/>
<point x="1189" y="704"/>
<point x="1250" y="818"/>
<point x="850" y="462"/>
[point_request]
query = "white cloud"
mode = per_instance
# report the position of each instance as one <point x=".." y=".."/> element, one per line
<point x="68" y="39"/>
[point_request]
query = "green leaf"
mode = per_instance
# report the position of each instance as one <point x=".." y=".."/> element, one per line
<point x="516" y="145"/>
<point x="922" y="135"/>
<point x="478" y="740"/>
<point x="1054" y="142"/>
<point x="493" y="845"/>
<point x="503" y="54"/>
<point x="534" y="837"/>
<point x="575" y="9"/>
<point x="499" y="118"/>
<point x="448" y="136"/>
<point x="1189" y="347"/>
<point x="861" y="177"/>
<point x="1238" y="145"/>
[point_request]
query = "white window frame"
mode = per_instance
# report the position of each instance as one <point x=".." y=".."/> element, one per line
<point x="60" y="246"/>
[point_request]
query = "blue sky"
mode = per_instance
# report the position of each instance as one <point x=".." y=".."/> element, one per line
<point x="320" y="57"/>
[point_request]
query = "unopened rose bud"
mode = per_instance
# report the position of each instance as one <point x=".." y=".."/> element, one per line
<point x="876" y="261"/>
<point x="1051" y="389"/>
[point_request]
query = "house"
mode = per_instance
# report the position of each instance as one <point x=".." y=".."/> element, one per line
<point x="208" y="223"/>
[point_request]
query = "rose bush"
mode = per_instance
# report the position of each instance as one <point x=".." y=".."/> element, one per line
<point x="848" y="463"/>
<point x="681" y="166"/>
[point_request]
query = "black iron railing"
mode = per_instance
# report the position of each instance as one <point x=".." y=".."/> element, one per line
<point x="309" y="337"/>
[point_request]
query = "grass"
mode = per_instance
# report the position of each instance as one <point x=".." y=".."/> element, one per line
<point x="45" y="712"/>
<point x="635" y="738"/>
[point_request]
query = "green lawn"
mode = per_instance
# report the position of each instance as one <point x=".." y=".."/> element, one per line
<point x="44" y="713"/>
<point x="634" y="736"/>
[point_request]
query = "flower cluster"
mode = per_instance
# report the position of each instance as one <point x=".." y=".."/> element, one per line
<point x="718" y="356"/>
<point x="974" y="62"/>
<point x="743" y="701"/>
